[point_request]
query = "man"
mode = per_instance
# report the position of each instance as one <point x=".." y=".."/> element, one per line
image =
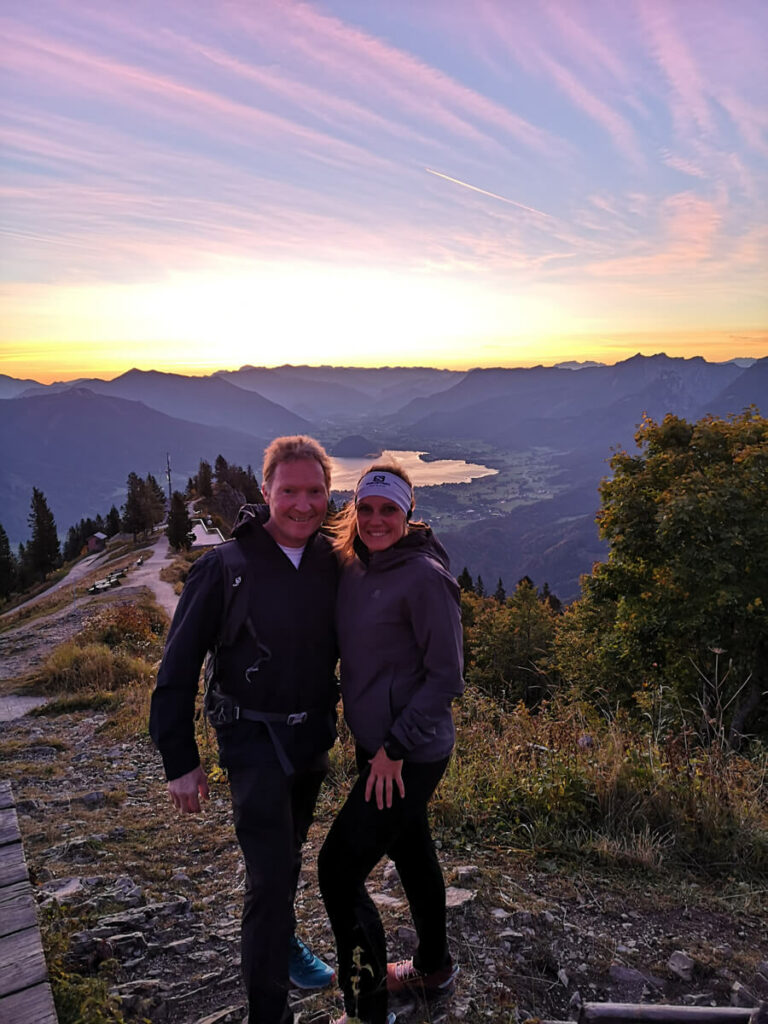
<point x="262" y="608"/>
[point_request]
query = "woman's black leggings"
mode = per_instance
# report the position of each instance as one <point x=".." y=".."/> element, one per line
<point x="356" y="842"/>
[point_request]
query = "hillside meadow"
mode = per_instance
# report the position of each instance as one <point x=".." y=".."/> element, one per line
<point x="541" y="805"/>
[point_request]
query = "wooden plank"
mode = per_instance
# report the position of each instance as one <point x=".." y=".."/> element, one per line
<point x="32" y="1006"/>
<point x="9" y="825"/>
<point x="17" y="908"/>
<point x="13" y="867"/>
<point x="617" y="1013"/>
<point x="22" y="963"/>
<point x="6" y="796"/>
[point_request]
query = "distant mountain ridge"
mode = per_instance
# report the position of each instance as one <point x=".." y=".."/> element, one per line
<point x="78" y="447"/>
<point x="77" y="441"/>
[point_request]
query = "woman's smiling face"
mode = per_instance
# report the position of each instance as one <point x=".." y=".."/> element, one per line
<point x="380" y="523"/>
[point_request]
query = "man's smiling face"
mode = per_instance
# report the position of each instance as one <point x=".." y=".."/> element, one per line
<point x="298" y="501"/>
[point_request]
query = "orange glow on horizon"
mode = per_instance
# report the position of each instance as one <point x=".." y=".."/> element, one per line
<point x="48" y="363"/>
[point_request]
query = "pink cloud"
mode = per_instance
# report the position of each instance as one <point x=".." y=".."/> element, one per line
<point x="382" y="72"/>
<point x="689" y="97"/>
<point x="533" y="53"/>
<point x="688" y="233"/>
<point x="64" y="66"/>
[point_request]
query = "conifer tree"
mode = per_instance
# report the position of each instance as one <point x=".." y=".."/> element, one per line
<point x="464" y="579"/>
<point x="179" y="523"/>
<point x="43" y="552"/>
<point x="480" y="587"/>
<point x="112" y="522"/>
<point x="7" y="565"/>
<point x="500" y="593"/>
<point x="204" y="480"/>
<point x="133" y="509"/>
<point x="221" y="470"/>
<point x="154" y="500"/>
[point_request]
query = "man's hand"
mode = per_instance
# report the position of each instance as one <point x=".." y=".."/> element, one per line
<point x="184" y="791"/>
<point x="383" y="773"/>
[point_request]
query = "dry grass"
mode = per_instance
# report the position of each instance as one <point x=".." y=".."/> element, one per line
<point x="565" y="780"/>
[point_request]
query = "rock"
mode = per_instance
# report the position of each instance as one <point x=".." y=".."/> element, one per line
<point x="226" y="1016"/>
<point x="458" y="897"/>
<point x="741" y="996"/>
<point x="180" y="945"/>
<point x="61" y="890"/>
<point x="86" y="950"/>
<point x="499" y="914"/>
<point x="91" y="800"/>
<point x="467" y="872"/>
<point x="547" y="918"/>
<point x="626" y="975"/>
<point x="681" y="965"/>
<point x="391" y="876"/>
<point x="129" y="944"/>
<point x="381" y="899"/>
<point x="562" y="977"/>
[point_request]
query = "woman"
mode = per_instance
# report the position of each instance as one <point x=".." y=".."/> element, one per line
<point x="399" y="630"/>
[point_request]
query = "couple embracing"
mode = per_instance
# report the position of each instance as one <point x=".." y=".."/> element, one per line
<point x="270" y="612"/>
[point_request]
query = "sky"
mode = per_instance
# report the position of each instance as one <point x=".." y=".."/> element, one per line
<point x="197" y="186"/>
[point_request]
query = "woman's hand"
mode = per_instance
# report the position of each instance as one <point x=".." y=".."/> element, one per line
<point x="384" y="772"/>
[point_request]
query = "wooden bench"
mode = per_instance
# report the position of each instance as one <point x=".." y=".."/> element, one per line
<point x="25" y="995"/>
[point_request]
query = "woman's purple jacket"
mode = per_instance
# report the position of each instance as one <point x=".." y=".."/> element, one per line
<point x="399" y="631"/>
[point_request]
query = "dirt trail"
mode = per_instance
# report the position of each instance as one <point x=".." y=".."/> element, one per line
<point x="27" y="645"/>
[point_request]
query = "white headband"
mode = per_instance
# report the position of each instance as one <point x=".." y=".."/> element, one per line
<point x="385" y="485"/>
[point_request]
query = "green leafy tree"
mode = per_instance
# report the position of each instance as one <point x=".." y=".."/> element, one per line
<point x="7" y="565"/>
<point x="508" y="647"/>
<point x="42" y="552"/>
<point x="465" y="581"/>
<point x="680" y="605"/>
<point x="179" y="523"/>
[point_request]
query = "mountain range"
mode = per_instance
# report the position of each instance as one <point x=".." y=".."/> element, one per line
<point x="78" y="440"/>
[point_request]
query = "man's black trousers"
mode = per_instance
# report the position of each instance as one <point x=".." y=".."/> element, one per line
<point x="359" y="837"/>
<point x="272" y="814"/>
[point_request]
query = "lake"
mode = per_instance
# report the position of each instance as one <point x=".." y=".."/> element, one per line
<point x="346" y="472"/>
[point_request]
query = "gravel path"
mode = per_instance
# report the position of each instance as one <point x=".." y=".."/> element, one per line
<point x="26" y="646"/>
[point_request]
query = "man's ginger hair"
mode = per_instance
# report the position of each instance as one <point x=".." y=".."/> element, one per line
<point x="292" y="449"/>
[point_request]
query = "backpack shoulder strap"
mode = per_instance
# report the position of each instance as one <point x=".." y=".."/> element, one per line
<point x="236" y="573"/>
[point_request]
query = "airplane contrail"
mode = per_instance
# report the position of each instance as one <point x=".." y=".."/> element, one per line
<point x="485" y="192"/>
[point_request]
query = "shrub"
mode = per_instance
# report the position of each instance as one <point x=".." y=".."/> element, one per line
<point x="136" y="629"/>
<point x="72" y="668"/>
<point x="567" y="779"/>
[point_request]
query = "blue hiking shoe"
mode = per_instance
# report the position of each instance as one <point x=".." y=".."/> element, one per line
<point x="307" y="970"/>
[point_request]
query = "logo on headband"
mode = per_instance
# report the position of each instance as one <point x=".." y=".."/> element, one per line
<point x="380" y="479"/>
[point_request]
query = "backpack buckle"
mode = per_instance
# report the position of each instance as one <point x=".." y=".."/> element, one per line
<point x="296" y="719"/>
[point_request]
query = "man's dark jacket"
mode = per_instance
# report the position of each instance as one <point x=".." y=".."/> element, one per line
<point x="291" y="613"/>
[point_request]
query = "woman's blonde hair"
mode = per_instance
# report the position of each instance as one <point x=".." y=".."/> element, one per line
<point x="291" y="449"/>
<point x="344" y="527"/>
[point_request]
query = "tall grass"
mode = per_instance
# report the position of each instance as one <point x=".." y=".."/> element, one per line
<point x="73" y="669"/>
<point x="566" y="779"/>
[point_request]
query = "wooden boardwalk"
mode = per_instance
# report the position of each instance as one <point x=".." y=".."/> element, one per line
<point x="25" y="995"/>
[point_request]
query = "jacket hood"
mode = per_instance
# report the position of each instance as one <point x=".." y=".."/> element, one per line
<point x="419" y="541"/>
<point x="248" y="518"/>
